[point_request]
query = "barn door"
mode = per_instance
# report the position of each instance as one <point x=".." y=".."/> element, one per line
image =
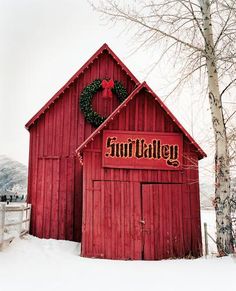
<point x="111" y="220"/>
<point x="161" y="221"/>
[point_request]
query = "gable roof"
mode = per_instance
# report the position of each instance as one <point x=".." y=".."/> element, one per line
<point x="124" y="104"/>
<point x="103" y="48"/>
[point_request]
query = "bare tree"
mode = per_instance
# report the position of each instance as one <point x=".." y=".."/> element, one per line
<point x="202" y="33"/>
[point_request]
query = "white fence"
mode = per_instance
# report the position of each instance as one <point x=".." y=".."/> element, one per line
<point x="14" y="221"/>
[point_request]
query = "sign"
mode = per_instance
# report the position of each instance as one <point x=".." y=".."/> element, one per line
<point x="142" y="150"/>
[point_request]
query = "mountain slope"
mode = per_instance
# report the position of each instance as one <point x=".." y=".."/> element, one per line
<point x="13" y="176"/>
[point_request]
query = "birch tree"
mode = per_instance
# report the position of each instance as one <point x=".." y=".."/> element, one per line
<point x="202" y="34"/>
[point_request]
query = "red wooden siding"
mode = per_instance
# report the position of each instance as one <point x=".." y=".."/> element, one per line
<point x="162" y="213"/>
<point x="110" y="227"/>
<point x="55" y="175"/>
<point x="133" y="222"/>
<point x="116" y="200"/>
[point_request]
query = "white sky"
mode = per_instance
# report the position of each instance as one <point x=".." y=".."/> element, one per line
<point x="44" y="42"/>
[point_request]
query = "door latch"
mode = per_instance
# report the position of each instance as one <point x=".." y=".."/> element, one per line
<point x="142" y="221"/>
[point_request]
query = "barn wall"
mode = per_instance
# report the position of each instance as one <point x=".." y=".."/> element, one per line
<point x="140" y="115"/>
<point x="55" y="175"/>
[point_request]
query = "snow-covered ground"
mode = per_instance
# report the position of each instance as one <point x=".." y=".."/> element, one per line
<point x="33" y="264"/>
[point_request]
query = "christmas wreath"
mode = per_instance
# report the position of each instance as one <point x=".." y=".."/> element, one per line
<point x="86" y="97"/>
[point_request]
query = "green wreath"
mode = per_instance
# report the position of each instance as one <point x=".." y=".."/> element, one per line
<point x="86" y="100"/>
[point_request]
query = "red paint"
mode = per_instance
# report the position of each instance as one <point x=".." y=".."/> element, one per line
<point x="142" y="150"/>
<point x="163" y="221"/>
<point x="140" y="213"/>
<point x="55" y="174"/>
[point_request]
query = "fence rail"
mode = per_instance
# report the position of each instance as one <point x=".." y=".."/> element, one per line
<point x="14" y="221"/>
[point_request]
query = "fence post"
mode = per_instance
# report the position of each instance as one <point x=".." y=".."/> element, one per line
<point x="2" y="221"/>
<point x="28" y="216"/>
<point x="206" y="239"/>
<point x="21" y="216"/>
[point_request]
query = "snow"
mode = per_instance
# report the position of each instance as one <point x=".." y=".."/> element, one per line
<point x="39" y="264"/>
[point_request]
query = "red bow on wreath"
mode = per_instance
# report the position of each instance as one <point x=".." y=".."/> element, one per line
<point x="107" y="86"/>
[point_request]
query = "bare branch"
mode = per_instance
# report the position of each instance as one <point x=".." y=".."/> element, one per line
<point x="227" y="87"/>
<point x="222" y="30"/>
<point x="230" y="117"/>
<point x="191" y="10"/>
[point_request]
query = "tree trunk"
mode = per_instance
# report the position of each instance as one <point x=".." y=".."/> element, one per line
<point x="222" y="173"/>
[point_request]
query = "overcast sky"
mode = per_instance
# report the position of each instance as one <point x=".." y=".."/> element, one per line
<point x="43" y="43"/>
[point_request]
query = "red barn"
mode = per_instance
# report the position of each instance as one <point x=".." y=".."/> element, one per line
<point x="136" y="174"/>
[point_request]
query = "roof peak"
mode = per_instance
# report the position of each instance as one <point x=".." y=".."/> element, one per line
<point x="76" y="75"/>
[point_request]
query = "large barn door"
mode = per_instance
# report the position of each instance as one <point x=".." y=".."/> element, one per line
<point x="111" y="220"/>
<point x="161" y="220"/>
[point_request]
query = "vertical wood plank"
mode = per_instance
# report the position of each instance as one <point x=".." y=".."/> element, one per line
<point x="55" y="200"/>
<point x="62" y="199"/>
<point x="97" y="231"/>
<point x="70" y="198"/>
<point x="40" y="199"/>
<point x="137" y="231"/>
<point x="47" y="197"/>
